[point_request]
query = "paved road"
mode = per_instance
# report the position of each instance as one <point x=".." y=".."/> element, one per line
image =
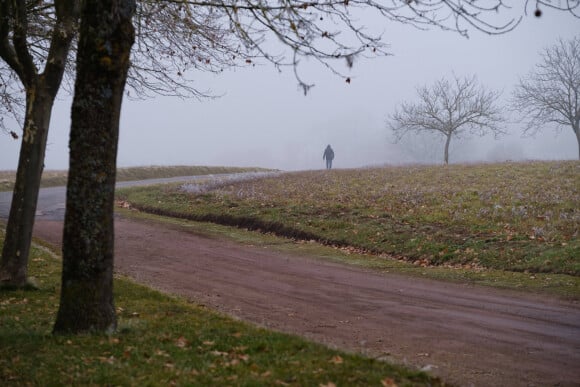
<point x="51" y="201"/>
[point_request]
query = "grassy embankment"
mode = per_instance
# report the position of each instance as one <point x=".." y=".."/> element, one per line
<point x="58" y="178"/>
<point x="500" y="219"/>
<point x="165" y="341"/>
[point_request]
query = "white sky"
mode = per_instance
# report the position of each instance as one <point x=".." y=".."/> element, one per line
<point x="264" y="120"/>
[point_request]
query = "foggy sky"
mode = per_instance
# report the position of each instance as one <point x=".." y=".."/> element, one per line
<point x="263" y="119"/>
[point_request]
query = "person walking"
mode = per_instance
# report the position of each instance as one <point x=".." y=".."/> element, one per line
<point x="328" y="156"/>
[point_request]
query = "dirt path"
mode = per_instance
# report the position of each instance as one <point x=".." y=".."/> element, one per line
<point x="467" y="335"/>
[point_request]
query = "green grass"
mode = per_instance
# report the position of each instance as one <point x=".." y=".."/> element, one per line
<point x="518" y="217"/>
<point x="164" y="340"/>
<point x="554" y="285"/>
<point x="58" y="178"/>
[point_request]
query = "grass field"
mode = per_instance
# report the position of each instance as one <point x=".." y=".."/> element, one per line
<point x="58" y="178"/>
<point x="522" y="217"/>
<point x="512" y="224"/>
<point x="165" y="341"/>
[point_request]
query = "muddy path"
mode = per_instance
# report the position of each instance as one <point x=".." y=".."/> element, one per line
<point x="466" y="335"/>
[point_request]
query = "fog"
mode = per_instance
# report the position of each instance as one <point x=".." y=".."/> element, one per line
<point x="263" y="119"/>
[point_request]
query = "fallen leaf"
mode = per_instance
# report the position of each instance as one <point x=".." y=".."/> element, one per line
<point x="181" y="342"/>
<point x="336" y="360"/>
<point x="109" y="360"/>
<point x="388" y="382"/>
<point x="160" y="352"/>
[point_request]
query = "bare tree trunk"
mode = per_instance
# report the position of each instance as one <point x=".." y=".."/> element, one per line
<point x="14" y="264"/>
<point x="577" y="132"/>
<point x="106" y="38"/>
<point x="41" y="90"/>
<point x="447" y="142"/>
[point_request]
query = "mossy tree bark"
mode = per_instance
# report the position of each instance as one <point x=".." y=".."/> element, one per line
<point x="106" y="38"/>
<point x="41" y="90"/>
<point x="14" y="264"/>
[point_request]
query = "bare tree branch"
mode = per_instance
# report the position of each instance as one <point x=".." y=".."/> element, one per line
<point x="176" y="38"/>
<point x="11" y="101"/>
<point x="571" y="6"/>
<point x="19" y="39"/>
<point x="453" y="108"/>
<point x="550" y="94"/>
<point x="26" y="32"/>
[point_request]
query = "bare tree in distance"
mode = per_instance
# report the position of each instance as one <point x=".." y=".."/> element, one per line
<point x="455" y="108"/>
<point x="550" y="93"/>
<point x="420" y="148"/>
<point x="177" y="38"/>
